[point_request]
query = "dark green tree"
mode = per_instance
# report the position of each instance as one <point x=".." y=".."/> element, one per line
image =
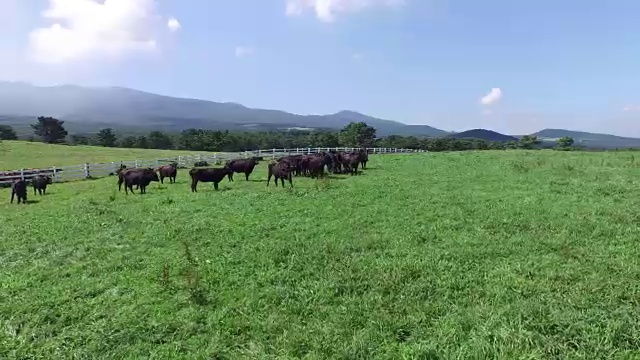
<point x="529" y="142"/>
<point x="141" y="142"/>
<point x="160" y="140"/>
<point x="565" y="143"/>
<point x="357" y="134"/>
<point x="7" y="133"/>
<point x="77" y="139"/>
<point x="51" y="130"/>
<point x="106" y="137"/>
<point x="127" y="142"/>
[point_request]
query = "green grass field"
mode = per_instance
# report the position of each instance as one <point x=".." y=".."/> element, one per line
<point x="473" y="255"/>
<point x="21" y="154"/>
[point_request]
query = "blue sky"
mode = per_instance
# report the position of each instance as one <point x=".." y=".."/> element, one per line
<point x="562" y="64"/>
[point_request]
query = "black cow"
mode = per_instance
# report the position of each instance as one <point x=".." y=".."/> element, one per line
<point x="280" y="170"/>
<point x="350" y="163"/>
<point x="315" y="165"/>
<point x="214" y="175"/>
<point x="19" y="188"/>
<point x="363" y="154"/>
<point x="40" y="183"/>
<point x="140" y="177"/>
<point x="295" y="163"/>
<point x="245" y="166"/>
<point x="168" y="171"/>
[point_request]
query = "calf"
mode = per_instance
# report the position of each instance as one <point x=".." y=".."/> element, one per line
<point x="245" y="166"/>
<point x="168" y="171"/>
<point x="140" y="177"/>
<point x="280" y="170"/>
<point x="19" y="188"/>
<point x="40" y="183"/>
<point x="214" y="175"/>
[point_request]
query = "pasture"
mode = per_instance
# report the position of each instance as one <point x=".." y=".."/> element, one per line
<point x="15" y="155"/>
<point x="496" y="254"/>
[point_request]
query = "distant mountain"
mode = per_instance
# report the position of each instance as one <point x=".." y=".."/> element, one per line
<point x="117" y="107"/>
<point x="487" y="135"/>
<point x="589" y="140"/>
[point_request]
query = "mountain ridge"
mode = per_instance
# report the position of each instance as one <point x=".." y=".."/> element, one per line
<point x="125" y="106"/>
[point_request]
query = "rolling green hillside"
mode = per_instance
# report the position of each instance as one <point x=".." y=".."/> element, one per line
<point x="21" y="154"/>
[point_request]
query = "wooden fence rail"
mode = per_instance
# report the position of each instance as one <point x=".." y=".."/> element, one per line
<point x="93" y="171"/>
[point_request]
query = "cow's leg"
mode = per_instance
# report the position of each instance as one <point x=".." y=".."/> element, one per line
<point x="247" y="175"/>
<point x="194" y="185"/>
<point x="290" y="181"/>
<point x="215" y="185"/>
<point x="13" y="194"/>
<point x="230" y="176"/>
<point x="162" y="179"/>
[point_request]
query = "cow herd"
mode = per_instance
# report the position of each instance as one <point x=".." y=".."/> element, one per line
<point x="314" y="165"/>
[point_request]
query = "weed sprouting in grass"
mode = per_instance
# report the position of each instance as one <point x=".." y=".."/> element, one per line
<point x="520" y="167"/>
<point x="192" y="277"/>
<point x="323" y="183"/>
<point x="165" y="275"/>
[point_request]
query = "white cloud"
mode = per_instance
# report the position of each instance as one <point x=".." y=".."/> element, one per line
<point x="631" y="108"/>
<point x="492" y="97"/>
<point x="242" y="51"/>
<point x="173" y="24"/>
<point x="95" y="28"/>
<point x="326" y="10"/>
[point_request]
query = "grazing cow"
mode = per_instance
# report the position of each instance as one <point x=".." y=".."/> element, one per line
<point x="364" y="157"/>
<point x="280" y="170"/>
<point x="201" y="164"/>
<point x="315" y="165"/>
<point x="168" y="171"/>
<point x="245" y="166"/>
<point x="140" y="177"/>
<point x="295" y="163"/>
<point x="214" y="175"/>
<point x="40" y="183"/>
<point x="350" y="163"/>
<point x="19" y="188"/>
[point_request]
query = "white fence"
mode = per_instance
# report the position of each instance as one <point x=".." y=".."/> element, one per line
<point x="93" y="171"/>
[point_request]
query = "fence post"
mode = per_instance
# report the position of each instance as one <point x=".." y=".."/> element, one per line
<point x="86" y="171"/>
<point x="55" y="172"/>
<point x="22" y="174"/>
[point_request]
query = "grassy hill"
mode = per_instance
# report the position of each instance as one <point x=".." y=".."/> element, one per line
<point x="91" y="108"/>
<point x="506" y="254"/>
<point x="590" y="140"/>
<point x="21" y="154"/>
<point x="487" y="135"/>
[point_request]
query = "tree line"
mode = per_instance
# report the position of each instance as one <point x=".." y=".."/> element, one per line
<point x="355" y="134"/>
